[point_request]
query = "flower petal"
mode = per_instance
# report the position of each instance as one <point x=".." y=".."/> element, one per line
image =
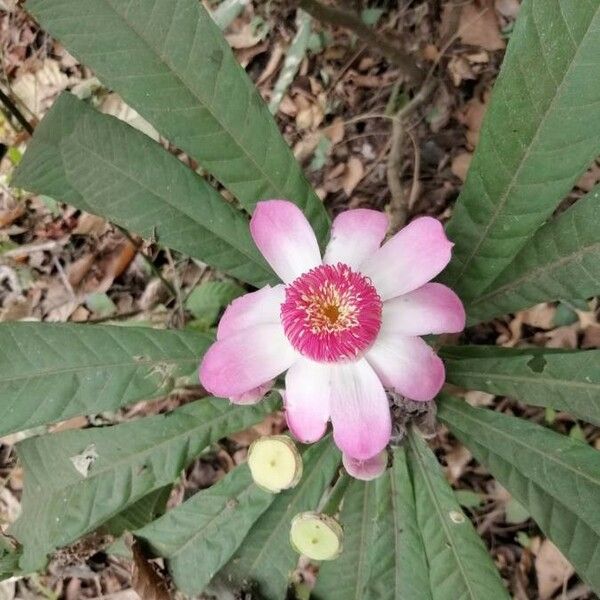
<point x="253" y="396"/>
<point x="366" y="469"/>
<point x="407" y="365"/>
<point x="411" y="258"/>
<point x="285" y="238"/>
<point x="255" y="308"/>
<point x="244" y="361"/>
<point x="307" y="392"/>
<point x="359" y="410"/>
<point x="432" y="308"/>
<point x="355" y="235"/>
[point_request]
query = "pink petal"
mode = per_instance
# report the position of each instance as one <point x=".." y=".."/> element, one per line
<point x="411" y="258"/>
<point x="433" y="308"/>
<point x="407" y="365"/>
<point x="244" y="361"/>
<point x="307" y="392"/>
<point x="355" y="235"/>
<point x="285" y="238"/>
<point x="366" y="469"/>
<point x="253" y="396"/>
<point x="252" y="309"/>
<point x="359" y="410"/>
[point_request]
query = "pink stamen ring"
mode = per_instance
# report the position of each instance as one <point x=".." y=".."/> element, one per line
<point x="331" y="313"/>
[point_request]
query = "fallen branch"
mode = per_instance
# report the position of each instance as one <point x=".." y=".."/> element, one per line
<point x="377" y="41"/>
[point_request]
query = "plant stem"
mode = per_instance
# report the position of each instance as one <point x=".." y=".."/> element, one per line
<point x="333" y="501"/>
<point x="14" y="110"/>
<point x="350" y="20"/>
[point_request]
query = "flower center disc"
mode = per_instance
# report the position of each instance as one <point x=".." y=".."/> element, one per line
<point x="331" y="313"/>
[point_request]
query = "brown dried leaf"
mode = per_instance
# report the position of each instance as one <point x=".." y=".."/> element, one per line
<point x="353" y="175"/>
<point x="460" y="165"/>
<point x="552" y="569"/>
<point x="146" y="580"/>
<point x="540" y="315"/>
<point x="479" y="26"/>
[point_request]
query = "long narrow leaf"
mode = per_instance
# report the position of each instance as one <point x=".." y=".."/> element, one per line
<point x="77" y="480"/>
<point x="564" y="380"/>
<point x="460" y="567"/>
<point x="199" y="536"/>
<point x="170" y="62"/>
<point x="540" y="133"/>
<point x="50" y="372"/>
<point x="347" y="577"/>
<point x="561" y="261"/>
<point x="555" y="477"/>
<point x="106" y="167"/>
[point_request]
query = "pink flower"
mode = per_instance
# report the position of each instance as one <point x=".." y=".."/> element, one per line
<point x="346" y="327"/>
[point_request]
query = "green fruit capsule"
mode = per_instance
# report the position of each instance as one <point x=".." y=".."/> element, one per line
<point x="316" y="535"/>
<point x="275" y="463"/>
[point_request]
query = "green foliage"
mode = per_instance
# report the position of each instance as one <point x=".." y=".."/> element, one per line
<point x="556" y="478"/>
<point x="170" y="62"/>
<point x="383" y="557"/>
<point x="266" y="558"/>
<point x="99" y="164"/>
<point x="460" y="567"/>
<point x="561" y="379"/>
<point x="55" y="371"/>
<point x="208" y="299"/>
<point x="561" y="261"/>
<point x="540" y="133"/>
<point x="77" y="480"/>
<point x="199" y="536"/>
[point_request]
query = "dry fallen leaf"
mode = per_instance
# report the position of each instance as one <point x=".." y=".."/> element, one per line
<point x="540" y="315"/>
<point x="479" y="26"/>
<point x="354" y="173"/>
<point x="552" y="569"/>
<point x="460" y="165"/>
<point x="471" y="115"/>
<point x="146" y="580"/>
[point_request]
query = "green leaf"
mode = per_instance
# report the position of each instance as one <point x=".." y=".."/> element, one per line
<point x="170" y="62"/>
<point x="55" y="371"/>
<point x="102" y="165"/>
<point x="208" y="299"/>
<point x="199" y="536"/>
<point x="64" y="500"/>
<point x="347" y="576"/>
<point x="556" y="478"/>
<point x="142" y="512"/>
<point x="562" y="260"/>
<point x="266" y="558"/>
<point x="469" y="499"/>
<point x="227" y="12"/>
<point x="567" y="380"/>
<point x="516" y="512"/>
<point x="460" y="567"/>
<point x="383" y="556"/>
<point x="539" y="134"/>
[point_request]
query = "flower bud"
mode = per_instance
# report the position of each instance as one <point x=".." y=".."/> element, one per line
<point x="275" y="463"/>
<point x="316" y="535"/>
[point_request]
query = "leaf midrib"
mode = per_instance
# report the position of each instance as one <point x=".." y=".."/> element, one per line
<point x="528" y="150"/>
<point x="531" y="380"/>
<point x="518" y="441"/>
<point x="152" y="192"/>
<point x="136" y="363"/>
<point x="534" y="273"/>
<point x="441" y="515"/>
<point x="170" y="69"/>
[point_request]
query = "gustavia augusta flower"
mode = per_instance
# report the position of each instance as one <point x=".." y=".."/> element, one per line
<point x="345" y="327"/>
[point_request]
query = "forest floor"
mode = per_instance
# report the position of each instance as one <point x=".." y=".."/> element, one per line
<point x="60" y="264"/>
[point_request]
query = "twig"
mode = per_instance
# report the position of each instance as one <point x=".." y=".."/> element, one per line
<point x="351" y="21"/>
<point x="150" y="263"/>
<point x="399" y="206"/>
<point x="14" y="110"/>
<point x="177" y="287"/>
